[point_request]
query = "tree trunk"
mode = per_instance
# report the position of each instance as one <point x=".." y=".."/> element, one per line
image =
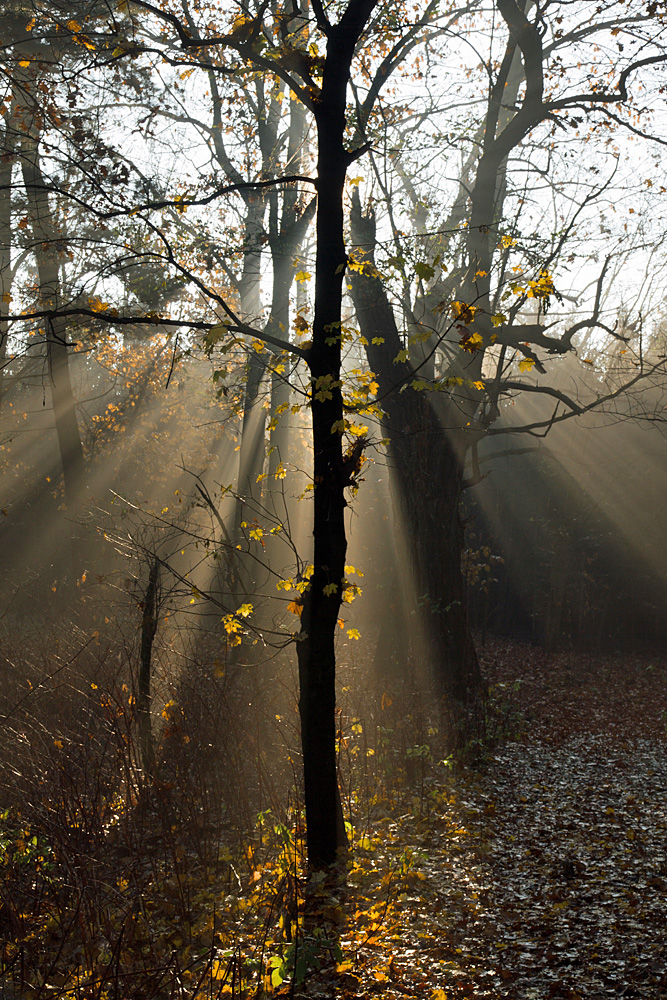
<point x="316" y="645"/>
<point x="285" y="241"/>
<point x="47" y="257"/>
<point x="5" y="256"/>
<point x="252" y="450"/>
<point x="280" y="388"/>
<point x="148" y="630"/>
<point x="426" y="457"/>
<point x="316" y="652"/>
<point x="253" y="428"/>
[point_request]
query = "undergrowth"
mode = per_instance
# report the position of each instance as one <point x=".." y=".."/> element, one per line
<point x="192" y="882"/>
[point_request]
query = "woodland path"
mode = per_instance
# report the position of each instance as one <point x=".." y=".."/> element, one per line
<point x="544" y="872"/>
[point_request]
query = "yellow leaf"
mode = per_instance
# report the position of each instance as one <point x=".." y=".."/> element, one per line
<point x="302" y="276"/>
<point x="245" y="610"/>
<point x="526" y="364"/>
<point x="295" y="608"/>
<point x="74" y="26"/>
<point x="463" y="312"/>
<point x="354" y="633"/>
<point x="218" y="970"/>
<point x="24" y="63"/>
<point x="97" y="305"/>
<point x="231" y="624"/>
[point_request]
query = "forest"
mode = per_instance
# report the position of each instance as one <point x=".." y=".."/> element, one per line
<point x="333" y="413"/>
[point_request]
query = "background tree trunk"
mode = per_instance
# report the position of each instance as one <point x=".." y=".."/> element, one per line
<point x="46" y="251"/>
<point x="426" y="457"/>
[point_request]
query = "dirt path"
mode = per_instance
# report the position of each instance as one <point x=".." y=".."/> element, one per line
<point x="542" y="872"/>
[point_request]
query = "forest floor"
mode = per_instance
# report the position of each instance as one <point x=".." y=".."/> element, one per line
<point x="541" y="872"/>
<point x="533" y="868"/>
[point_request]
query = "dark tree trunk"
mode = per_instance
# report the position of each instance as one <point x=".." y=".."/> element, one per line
<point x="316" y="653"/>
<point x="148" y="630"/>
<point x="429" y="432"/>
<point x="316" y="646"/>
<point x="426" y="455"/>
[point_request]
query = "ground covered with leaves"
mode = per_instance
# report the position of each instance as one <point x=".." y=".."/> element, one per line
<point x="540" y="869"/>
<point x="533" y="867"/>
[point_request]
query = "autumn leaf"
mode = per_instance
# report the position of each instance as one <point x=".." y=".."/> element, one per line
<point x="463" y="312"/>
<point x="424" y="271"/>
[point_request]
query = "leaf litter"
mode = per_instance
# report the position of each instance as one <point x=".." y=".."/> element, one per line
<point x="541" y="871"/>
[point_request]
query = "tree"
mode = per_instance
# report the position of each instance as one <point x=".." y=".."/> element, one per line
<point x="442" y="382"/>
<point x="321" y="84"/>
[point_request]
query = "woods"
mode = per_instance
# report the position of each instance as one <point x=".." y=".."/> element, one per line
<point x="332" y="374"/>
